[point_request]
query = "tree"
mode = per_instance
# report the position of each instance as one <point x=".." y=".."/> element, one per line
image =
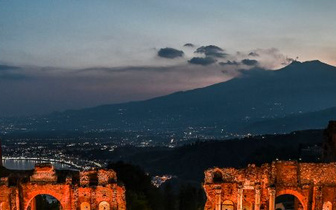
<point x="140" y="193"/>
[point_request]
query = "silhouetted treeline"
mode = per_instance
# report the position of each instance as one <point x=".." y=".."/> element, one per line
<point x="142" y="195"/>
<point x="189" y="162"/>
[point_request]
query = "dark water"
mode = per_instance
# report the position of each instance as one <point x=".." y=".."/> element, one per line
<point x="29" y="164"/>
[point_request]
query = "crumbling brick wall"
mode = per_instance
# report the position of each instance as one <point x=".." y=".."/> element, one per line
<point x="72" y="189"/>
<point x="313" y="184"/>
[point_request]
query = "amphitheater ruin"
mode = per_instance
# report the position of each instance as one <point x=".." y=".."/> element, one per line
<point x="312" y="185"/>
<point x="95" y="189"/>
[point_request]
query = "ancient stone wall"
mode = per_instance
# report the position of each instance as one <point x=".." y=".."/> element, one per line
<point x="95" y="189"/>
<point x="313" y="184"/>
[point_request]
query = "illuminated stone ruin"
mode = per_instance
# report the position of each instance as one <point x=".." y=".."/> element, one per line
<point x="95" y="189"/>
<point x="312" y="186"/>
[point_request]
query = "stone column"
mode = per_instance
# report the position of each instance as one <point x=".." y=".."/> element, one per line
<point x="317" y="198"/>
<point x="257" y="198"/>
<point x="33" y="204"/>
<point x="240" y="199"/>
<point x="218" y="198"/>
<point x="18" y="203"/>
<point x="271" y="199"/>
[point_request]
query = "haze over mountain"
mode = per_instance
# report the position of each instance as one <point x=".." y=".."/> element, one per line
<point x="259" y="101"/>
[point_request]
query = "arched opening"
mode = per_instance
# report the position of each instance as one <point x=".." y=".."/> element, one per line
<point x="227" y="205"/>
<point x="104" y="205"/>
<point x="4" y="206"/>
<point x="288" y="201"/>
<point x="247" y="205"/>
<point x="44" y="201"/>
<point x="85" y="206"/>
<point x="327" y="205"/>
<point x="217" y="177"/>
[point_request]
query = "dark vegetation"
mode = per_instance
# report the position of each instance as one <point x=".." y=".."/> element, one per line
<point x="141" y="194"/>
<point x="3" y="171"/>
<point x="189" y="162"/>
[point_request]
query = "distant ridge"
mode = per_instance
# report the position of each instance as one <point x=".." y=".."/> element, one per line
<point x="304" y="121"/>
<point x="259" y="101"/>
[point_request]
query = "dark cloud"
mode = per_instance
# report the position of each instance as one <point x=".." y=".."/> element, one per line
<point x="253" y="54"/>
<point x="188" y="45"/>
<point x="170" y="53"/>
<point x="5" y="67"/>
<point x="64" y="88"/>
<point x="229" y="63"/>
<point x="28" y="88"/>
<point x="211" y="50"/>
<point x="202" y="61"/>
<point x="117" y="70"/>
<point x="11" y="73"/>
<point x="12" y="77"/>
<point x="270" y="58"/>
<point x="249" y="62"/>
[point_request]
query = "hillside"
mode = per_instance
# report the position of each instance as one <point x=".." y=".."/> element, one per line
<point x="189" y="162"/>
<point x="242" y="105"/>
<point x="301" y="121"/>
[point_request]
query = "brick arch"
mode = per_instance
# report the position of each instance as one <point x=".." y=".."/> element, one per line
<point x="104" y="205"/>
<point x="228" y="204"/>
<point x="85" y="206"/>
<point x="247" y="204"/>
<point x="35" y="193"/>
<point x="217" y="176"/>
<point x="327" y="205"/>
<point x="295" y="193"/>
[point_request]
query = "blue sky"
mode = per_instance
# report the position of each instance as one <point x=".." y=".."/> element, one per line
<point x="75" y="54"/>
<point x="116" y="33"/>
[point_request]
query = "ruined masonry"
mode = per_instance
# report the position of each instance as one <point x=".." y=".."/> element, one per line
<point x="95" y="189"/>
<point x="253" y="188"/>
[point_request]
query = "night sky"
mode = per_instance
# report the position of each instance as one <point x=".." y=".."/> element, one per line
<point x="57" y="55"/>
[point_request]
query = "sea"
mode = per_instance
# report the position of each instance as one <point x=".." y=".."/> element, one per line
<point x="15" y="164"/>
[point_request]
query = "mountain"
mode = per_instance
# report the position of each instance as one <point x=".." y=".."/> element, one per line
<point x="240" y="105"/>
<point x="303" y="121"/>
